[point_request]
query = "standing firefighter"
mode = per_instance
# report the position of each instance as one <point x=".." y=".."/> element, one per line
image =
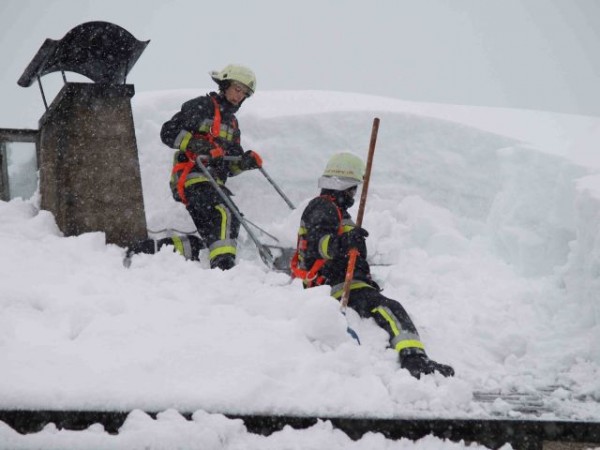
<point x="326" y="234"/>
<point x="206" y="132"/>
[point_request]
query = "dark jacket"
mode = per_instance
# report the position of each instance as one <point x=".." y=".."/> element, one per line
<point x="320" y="226"/>
<point x="194" y="121"/>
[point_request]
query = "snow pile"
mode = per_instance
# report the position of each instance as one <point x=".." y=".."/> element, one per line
<point x="485" y="229"/>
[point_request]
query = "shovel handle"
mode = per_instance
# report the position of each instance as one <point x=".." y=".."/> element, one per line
<point x="277" y="188"/>
<point x="352" y="255"/>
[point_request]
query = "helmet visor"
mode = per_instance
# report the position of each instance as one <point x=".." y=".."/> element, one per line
<point x="337" y="183"/>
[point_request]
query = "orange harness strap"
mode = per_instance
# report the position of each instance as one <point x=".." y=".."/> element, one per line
<point x="216" y="126"/>
<point x="187" y="166"/>
<point x="310" y="277"/>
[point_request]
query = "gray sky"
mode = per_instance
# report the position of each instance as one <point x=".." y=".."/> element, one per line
<point x="531" y="54"/>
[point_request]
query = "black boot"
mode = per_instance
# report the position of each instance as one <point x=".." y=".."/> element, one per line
<point x="147" y="246"/>
<point x="190" y="247"/>
<point x="223" y="262"/>
<point x="419" y="363"/>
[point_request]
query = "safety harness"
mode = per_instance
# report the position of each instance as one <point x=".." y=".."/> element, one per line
<point x="183" y="168"/>
<point x="312" y="277"/>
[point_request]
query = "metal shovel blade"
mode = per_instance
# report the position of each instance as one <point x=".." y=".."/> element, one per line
<point x="282" y="257"/>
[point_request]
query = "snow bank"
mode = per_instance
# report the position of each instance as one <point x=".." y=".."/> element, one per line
<point x="489" y="240"/>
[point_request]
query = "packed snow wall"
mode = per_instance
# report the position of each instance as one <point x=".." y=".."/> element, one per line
<point x="581" y="274"/>
<point x="519" y="201"/>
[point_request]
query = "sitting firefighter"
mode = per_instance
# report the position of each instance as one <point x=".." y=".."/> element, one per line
<point x="205" y="133"/>
<point x="326" y="234"/>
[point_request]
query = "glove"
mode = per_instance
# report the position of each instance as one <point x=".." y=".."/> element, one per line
<point x="419" y="364"/>
<point x="250" y="160"/>
<point x="214" y="157"/>
<point x="354" y="238"/>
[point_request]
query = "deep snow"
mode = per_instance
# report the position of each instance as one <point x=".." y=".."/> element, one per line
<point x="484" y="224"/>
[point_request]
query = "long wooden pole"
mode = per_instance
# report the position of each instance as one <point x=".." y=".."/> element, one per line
<point x="353" y="253"/>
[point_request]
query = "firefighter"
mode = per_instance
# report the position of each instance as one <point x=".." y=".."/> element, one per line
<point x="205" y="131"/>
<point x="326" y="234"/>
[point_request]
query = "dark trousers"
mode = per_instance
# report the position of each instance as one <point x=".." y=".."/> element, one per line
<point x="389" y="315"/>
<point x="187" y="245"/>
<point x="216" y="224"/>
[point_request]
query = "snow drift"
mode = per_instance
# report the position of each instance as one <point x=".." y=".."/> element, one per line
<point x="484" y="224"/>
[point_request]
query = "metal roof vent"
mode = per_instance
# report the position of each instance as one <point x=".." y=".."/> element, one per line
<point x="101" y="51"/>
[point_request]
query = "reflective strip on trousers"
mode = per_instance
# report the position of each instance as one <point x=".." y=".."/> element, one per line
<point x="225" y="230"/>
<point x="400" y="340"/>
<point x="197" y="177"/>
<point x="183" y="246"/>
<point x="222" y="247"/>
<point x="338" y="289"/>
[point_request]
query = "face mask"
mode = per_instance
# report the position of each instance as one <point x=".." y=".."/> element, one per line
<point x="347" y="197"/>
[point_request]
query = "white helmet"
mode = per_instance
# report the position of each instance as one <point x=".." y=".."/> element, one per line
<point x="233" y="72"/>
<point x="343" y="171"/>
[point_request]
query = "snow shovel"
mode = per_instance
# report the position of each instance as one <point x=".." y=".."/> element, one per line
<point x="269" y="179"/>
<point x="281" y="262"/>
<point x="353" y="253"/>
<point x="279" y="191"/>
<point x="265" y="254"/>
